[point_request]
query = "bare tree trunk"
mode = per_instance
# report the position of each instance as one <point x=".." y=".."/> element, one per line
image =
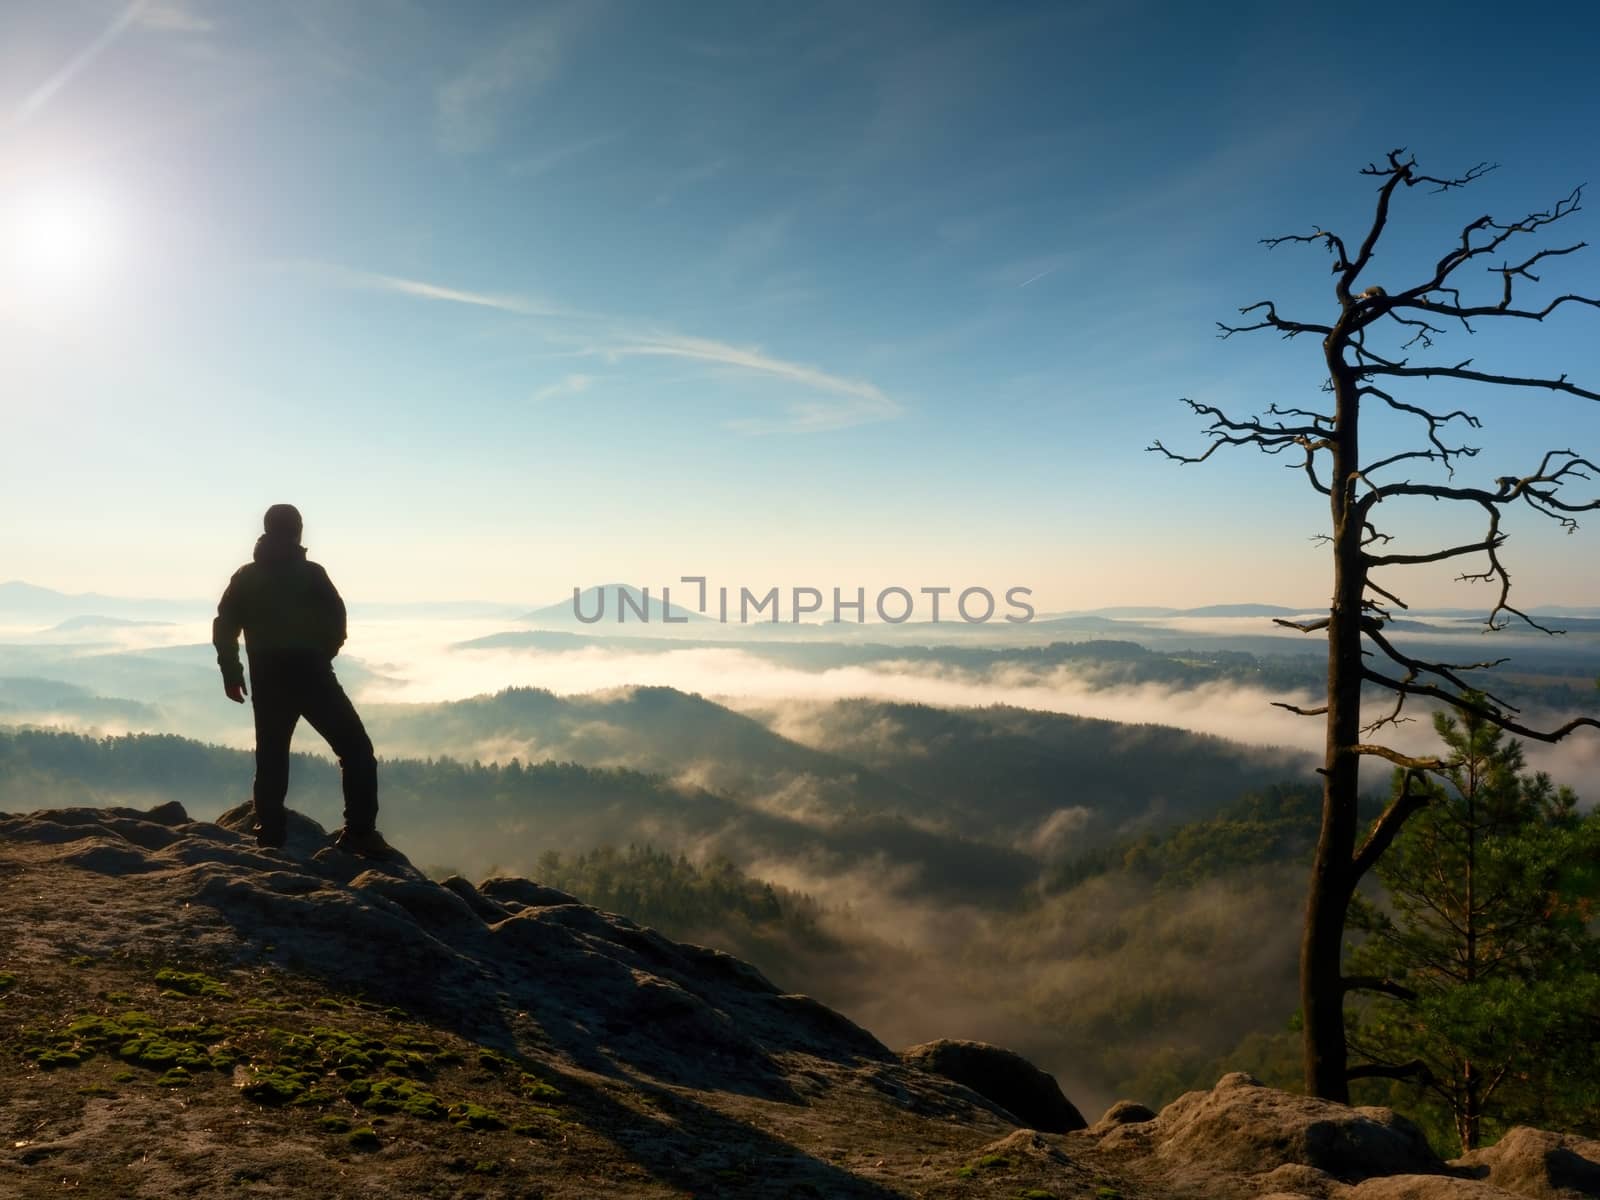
<point x="1333" y="873"/>
<point x="1356" y="623"/>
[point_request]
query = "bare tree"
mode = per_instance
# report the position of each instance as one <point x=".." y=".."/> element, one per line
<point x="1368" y="347"/>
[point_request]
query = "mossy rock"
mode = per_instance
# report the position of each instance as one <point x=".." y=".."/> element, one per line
<point x="475" y="1116"/>
<point x="276" y="1086"/>
<point x="364" y="1137"/>
<point x="193" y="984"/>
<point x="404" y="1097"/>
<point x="531" y="1087"/>
<point x="334" y="1124"/>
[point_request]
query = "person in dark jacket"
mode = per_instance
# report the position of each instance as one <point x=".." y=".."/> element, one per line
<point x="293" y="622"/>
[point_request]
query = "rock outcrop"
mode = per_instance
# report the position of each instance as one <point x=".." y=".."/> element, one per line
<point x="1003" y="1077"/>
<point x="642" y="1067"/>
<point x="1241" y="1127"/>
<point x="1544" y="1166"/>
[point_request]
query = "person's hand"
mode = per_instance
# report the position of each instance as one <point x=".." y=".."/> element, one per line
<point x="235" y="692"/>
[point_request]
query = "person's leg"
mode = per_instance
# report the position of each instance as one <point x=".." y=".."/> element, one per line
<point x="331" y="714"/>
<point x="275" y="716"/>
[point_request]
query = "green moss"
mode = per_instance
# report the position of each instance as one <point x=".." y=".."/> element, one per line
<point x="81" y="960"/>
<point x="177" y="1077"/>
<point x="486" y="1166"/>
<point x="403" y="1096"/>
<point x="333" y="1124"/>
<point x="988" y="1162"/>
<point x="50" y="1059"/>
<point x="475" y="1116"/>
<point x="124" y="1077"/>
<point x="276" y="1086"/>
<point x="531" y="1087"/>
<point x="526" y="1129"/>
<point x="192" y="983"/>
<point x="1107" y="1192"/>
<point x="7" y="981"/>
<point x="363" y="1138"/>
<point x="153" y="1050"/>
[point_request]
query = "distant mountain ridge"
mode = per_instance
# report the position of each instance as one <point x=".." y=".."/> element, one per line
<point x="605" y="602"/>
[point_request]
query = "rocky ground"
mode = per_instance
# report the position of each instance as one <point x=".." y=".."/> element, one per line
<point x="182" y="1014"/>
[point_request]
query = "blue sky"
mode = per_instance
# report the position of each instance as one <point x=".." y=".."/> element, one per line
<point x="513" y="297"/>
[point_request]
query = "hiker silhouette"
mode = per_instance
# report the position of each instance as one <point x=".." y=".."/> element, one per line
<point x="293" y="622"/>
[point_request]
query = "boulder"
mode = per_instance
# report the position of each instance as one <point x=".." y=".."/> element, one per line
<point x="524" y="892"/>
<point x="1123" y="1112"/>
<point x="488" y="911"/>
<point x="1242" y="1126"/>
<point x="1544" y="1166"/>
<point x="1002" y="1077"/>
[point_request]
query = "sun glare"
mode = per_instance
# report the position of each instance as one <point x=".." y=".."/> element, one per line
<point x="59" y="239"/>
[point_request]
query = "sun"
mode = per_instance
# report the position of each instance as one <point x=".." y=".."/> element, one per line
<point x="59" y="237"/>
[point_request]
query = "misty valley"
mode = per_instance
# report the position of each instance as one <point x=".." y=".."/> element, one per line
<point x="929" y="836"/>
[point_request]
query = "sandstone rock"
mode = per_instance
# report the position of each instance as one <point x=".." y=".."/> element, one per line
<point x="1123" y="1112"/>
<point x="303" y="837"/>
<point x="1297" y="1179"/>
<point x="1026" y="1144"/>
<point x="109" y="858"/>
<point x="1003" y="1077"/>
<point x="432" y="905"/>
<point x="524" y="892"/>
<point x="486" y="909"/>
<point x="1533" y="1163"/>
<point x="1426" y="1187"/>
<point x="1244" y="1127"/>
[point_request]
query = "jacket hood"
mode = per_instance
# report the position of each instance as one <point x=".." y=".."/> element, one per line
<point x="270" y="549"/>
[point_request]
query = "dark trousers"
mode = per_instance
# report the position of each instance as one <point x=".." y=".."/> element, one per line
<point x="286" y="685"/>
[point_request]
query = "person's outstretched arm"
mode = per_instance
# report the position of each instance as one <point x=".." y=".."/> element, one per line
<point x="225" y="629"/>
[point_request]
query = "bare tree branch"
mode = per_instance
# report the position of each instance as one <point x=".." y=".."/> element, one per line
<point x="1415" y="1069"/>
<point x="1412" y="797"/>
<point x="1376" y="983"/>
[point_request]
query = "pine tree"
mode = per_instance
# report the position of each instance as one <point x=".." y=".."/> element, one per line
<point x="1481" y="958"/>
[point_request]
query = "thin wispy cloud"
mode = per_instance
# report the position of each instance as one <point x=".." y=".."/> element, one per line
<point x="470" y="108"/>
<point x="155" y="16"/>
<point x="858" y="403"/>
<point x="539" y="164"/>
<point x="848" y="401"/>
<point x="517" y="305"/>
<point x="1026" y="272"/>
<point x="46" y="91"/>
<point x="174" y="16"/>
<point x="684" y="178"/>
<point x="570" y="385"/>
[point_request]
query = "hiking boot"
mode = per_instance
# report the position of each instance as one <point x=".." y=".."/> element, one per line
<point x="270" y="837"/>
<point x="365" y="843"/>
